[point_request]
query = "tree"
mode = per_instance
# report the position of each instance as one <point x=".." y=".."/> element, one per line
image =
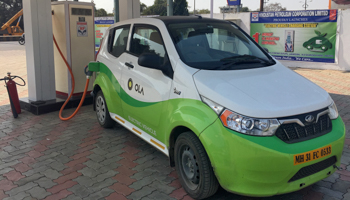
<point x="180" y="7"/>
<point x="274" y="7"/>
<point x="244" y="9"/>
<point x="203" y="11"/>
<point x="101" y="13"/>
<point x="8" y="8"/>
<point x="142" y="7"/>
<point x="158" y="8"/>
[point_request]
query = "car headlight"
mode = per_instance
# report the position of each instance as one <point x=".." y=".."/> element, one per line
<point x="249" y="125"/>
<point x="333" y="111"/>
<point x="241" y="123"/>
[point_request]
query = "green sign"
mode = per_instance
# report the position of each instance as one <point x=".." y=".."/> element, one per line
<point x="297" y="35"/>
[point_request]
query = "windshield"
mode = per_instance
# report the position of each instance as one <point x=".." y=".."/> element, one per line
<point x="216" y="46"/>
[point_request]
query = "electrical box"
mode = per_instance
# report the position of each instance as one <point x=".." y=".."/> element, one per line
<point x="73" y="28"/>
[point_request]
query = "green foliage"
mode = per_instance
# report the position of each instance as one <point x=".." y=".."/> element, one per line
<point x="101" y="13"/>
<point x="142" y="7"/>
<point x="203" y="11"/>
<point x="274" y="7"/>
<point x="244" y="9"/>
<point x="160" y="8"/>
<point x="8" y="8"/>
<point x="180" y="7"/>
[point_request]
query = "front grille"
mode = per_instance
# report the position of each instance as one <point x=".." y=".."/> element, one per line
<point x="292" y="133"/>
<point x="314" y="168"/>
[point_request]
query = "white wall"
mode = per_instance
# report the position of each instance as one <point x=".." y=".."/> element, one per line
<point x="343" y="63"/>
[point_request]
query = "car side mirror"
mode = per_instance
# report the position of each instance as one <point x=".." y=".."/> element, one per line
<point x="154" y="61"/>
<point x="150" y="60"/>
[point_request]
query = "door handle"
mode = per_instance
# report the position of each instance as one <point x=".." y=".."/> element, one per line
<point x="129" y="65"/>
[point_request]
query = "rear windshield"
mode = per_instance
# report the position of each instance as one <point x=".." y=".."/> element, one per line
<point x="216" y="46"/>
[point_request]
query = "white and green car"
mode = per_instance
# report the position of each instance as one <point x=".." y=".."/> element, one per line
<point x="218" y="105"/>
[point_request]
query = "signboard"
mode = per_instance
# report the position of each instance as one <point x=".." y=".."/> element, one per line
<point x="82" y="29"/>
<point x="339" y="4"/>
<point x="297" y="35"/>
<point x="233" y="2"/>
<point x="101" y="25"/>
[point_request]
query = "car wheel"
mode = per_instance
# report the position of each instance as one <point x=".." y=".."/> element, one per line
<point x="21" y="41"/>
<point x="102" y="112"/>
<point x="309" y="47"/>
<point x="324" y="48"/>
<point x="194" y="168"/>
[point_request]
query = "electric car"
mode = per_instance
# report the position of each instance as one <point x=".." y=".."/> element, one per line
<point x="220" y="107"/>
<point x="318" y="44"/>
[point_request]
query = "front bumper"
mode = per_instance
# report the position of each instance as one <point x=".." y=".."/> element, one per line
<point x="262" y="166"/>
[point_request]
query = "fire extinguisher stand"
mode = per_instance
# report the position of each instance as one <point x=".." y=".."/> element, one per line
<point x="12" y="92"/>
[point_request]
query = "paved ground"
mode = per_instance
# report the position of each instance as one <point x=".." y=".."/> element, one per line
<point x="42" y="157"/>
<point x="12" y="59"/>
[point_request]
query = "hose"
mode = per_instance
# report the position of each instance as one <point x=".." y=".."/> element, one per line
<point x="73" y="86"/>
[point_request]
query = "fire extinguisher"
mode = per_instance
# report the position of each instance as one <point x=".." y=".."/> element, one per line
<point x="12" y="92"/>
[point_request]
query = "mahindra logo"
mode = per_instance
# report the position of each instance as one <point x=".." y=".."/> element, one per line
<point x="309" y="118"/>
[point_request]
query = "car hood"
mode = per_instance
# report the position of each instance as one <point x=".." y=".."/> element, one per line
<point x="267" y="92"/>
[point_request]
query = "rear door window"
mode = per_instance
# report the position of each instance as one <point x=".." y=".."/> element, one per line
<point x="118" y="40"/>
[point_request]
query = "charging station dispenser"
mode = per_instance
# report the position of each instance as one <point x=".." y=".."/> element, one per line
<point x="73" y="28"/>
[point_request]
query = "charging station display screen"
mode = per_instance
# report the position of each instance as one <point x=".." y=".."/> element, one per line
<point x="81" y="11"/>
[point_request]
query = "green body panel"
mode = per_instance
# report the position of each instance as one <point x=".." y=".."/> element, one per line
<point x="262" y="166"/>
<point x="193" y="114"/>
<point x="94" y="66"/>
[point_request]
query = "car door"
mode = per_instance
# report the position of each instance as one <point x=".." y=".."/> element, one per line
<point x="146" y="90"/>
<point x="113" y="58"/>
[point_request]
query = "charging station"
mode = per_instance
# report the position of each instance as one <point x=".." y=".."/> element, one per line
<point x="73" y="28"/>
<point x="72" y="25"/>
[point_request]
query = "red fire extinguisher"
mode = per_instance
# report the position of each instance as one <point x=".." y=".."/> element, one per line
<point x="12" y="92"/>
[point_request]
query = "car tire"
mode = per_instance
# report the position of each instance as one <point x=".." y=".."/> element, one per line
<point x="324" y="48"/>
<point x="102" y="112"/>
<point x="193" y="167"/>
<point x="21" y="41"/>
<point x="309" y="47"/>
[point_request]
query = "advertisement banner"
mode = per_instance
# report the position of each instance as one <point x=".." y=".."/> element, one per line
<point x="101" y="25"/>
<point x="308" y="35"/>
<point x="233" y="2"/>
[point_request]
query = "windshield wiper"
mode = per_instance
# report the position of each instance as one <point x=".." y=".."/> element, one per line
<point x="233" y="58"/>
<point x="230" y="64"/>
<point x="239" y="60"/>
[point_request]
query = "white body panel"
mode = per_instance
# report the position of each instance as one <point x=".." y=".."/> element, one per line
<point x="267" y="92"/>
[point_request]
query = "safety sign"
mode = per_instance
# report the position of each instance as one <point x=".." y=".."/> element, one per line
<point x="297" y="35"/>
<point x="82" y="29"/>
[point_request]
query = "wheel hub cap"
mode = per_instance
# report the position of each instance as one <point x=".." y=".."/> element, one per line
<point x="190" y="166"/>
<point x="100" y="109"/>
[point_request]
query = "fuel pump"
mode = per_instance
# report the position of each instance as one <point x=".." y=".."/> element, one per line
<point x="74" y="39"/>
<point x="73" y="29"/>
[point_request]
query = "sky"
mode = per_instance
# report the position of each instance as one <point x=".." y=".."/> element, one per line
<point x="205" y="4"/>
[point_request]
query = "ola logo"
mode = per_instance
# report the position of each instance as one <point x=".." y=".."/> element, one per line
<point x="130" y="84"/>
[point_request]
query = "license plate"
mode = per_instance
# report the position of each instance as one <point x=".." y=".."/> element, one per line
<point x="312" y="155"/>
